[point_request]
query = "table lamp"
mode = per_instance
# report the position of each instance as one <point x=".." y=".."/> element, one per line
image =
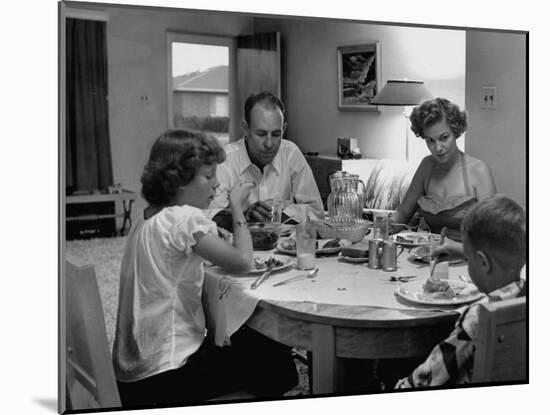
<point x="406" y="93"/>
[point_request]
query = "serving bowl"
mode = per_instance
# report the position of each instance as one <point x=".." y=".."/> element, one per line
<point x="265" y="235"/>
<point x="353" y="229"/>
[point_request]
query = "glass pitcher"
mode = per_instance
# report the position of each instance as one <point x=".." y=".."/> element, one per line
<point x="335" y="179"/>
<point x="359" y="187"/>
<point x="343" y="202"/>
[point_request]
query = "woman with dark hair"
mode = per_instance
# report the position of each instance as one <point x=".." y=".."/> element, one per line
<point x="160" y="354"/>
<point x="447" y="182"/>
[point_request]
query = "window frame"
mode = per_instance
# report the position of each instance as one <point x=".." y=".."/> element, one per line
<point x="210" y="40"/>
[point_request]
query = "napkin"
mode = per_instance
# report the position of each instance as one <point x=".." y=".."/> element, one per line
<point x="441" y="270"/>
<point x="227" y="306"/>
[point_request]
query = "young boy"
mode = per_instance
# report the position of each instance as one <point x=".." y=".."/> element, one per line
<point x="494" y="245"/>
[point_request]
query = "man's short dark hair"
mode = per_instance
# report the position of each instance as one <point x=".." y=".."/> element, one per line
<point x="267" y="99"/>
<point x="497" y="226"/>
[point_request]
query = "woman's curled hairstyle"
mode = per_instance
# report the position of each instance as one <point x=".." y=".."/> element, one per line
<point x="174" y="160"/>
<point x="430" y="112"/>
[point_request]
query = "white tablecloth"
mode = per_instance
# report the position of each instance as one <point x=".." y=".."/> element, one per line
<point x="230" y="301"/>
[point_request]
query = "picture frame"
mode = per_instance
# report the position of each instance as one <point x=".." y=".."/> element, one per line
<point x="358" y="76"/>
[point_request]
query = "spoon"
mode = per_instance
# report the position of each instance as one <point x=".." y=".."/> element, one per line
<point x="402" y="278"/>
<point x="310" y="274"/>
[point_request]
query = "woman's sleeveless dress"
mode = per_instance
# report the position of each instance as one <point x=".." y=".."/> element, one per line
<point x="450" y="211"/>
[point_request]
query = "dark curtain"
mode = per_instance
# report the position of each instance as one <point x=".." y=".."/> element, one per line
<point x="258" y="69"/>
<point x="88" y="149"/>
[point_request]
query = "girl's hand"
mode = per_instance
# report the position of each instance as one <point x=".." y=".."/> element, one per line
<point x="239" y="194"/>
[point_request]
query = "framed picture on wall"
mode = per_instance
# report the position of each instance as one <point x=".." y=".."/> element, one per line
<point x="358" y="76"/>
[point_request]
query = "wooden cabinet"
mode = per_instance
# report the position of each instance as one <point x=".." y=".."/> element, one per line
<point x="323" y="167"/>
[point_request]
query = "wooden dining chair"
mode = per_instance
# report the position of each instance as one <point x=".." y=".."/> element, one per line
<point x="500" y="348"/>
<point x="90" y="378"/>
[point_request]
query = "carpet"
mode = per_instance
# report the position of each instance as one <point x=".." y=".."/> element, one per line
<point x="106" y="254"/>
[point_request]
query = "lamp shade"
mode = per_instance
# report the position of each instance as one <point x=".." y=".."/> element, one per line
<point x="402" y="92"/>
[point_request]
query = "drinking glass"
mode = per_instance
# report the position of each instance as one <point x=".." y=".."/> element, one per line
<point x="275" y="206"/>
<point x="306" y="239"/>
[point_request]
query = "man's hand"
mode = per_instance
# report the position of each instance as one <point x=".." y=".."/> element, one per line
<point x="258" y="212"/>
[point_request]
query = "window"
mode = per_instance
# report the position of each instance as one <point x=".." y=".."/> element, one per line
<point x="200" y="86"/>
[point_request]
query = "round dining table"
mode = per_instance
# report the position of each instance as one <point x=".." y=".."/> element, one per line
<point x="332" y="332"/>
<point x="346" y="311"/>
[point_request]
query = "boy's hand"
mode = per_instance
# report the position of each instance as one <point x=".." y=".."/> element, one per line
<point x="239" y="194"/>
<point x="449" y="251"/>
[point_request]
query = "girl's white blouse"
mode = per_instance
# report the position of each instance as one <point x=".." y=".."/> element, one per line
<point x="160" y="320"/>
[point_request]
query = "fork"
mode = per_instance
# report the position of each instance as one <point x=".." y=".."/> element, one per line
<point x="441" y="242"/>
<point x="262" y="277"/>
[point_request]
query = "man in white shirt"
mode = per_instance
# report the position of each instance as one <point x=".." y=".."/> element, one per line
<point x="276" y="166"/>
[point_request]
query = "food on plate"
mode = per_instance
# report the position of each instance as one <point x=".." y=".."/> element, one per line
<point x="433" y="285"/>
<point x="422" y="252"/>
<point x="399" y="238"/>
<point x="288" y="244"/>
<point x="442" y="288"/>
<point x="415" y="238"/>
<point x="264" y="235"/>
<point x="333" y="243"/>
<point x="357" y="250"/>
<point x="265" y="262"/>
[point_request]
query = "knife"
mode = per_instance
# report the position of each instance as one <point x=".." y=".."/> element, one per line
<point x="441" y="242"/>
<point x="262" y="277"/>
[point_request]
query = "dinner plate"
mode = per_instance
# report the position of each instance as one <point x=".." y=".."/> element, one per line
<point x="414" y="239"/>
<point x="284" y="259"/>
<point x="413" y="292"/>
<point x="352" y="260"/>
<point x="321" y="251"/>
<point x="422" y="253"/>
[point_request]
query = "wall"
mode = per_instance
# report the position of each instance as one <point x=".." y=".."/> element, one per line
<point x="309" y="68"/>
<point x="137" y="66"/>
<point x="498" y="136"/>
<point x="452" y="63"/>
<point x="136" y="42"/>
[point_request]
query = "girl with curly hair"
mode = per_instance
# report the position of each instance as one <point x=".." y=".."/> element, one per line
<point x="447" y="182"/>
<point x="160" y="354"/>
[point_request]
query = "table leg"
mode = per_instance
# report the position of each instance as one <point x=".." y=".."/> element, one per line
<point x="127" y="217"/>
<point x="327" y="368"/>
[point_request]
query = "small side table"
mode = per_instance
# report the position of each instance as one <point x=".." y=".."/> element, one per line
<point x="124" y="196"/>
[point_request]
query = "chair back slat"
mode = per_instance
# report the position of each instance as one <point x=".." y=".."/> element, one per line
<point x="501" y="345"/>
<point x="89" y="365"/>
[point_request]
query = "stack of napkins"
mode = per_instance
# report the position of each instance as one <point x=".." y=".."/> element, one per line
<point x="357" y="250"/>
